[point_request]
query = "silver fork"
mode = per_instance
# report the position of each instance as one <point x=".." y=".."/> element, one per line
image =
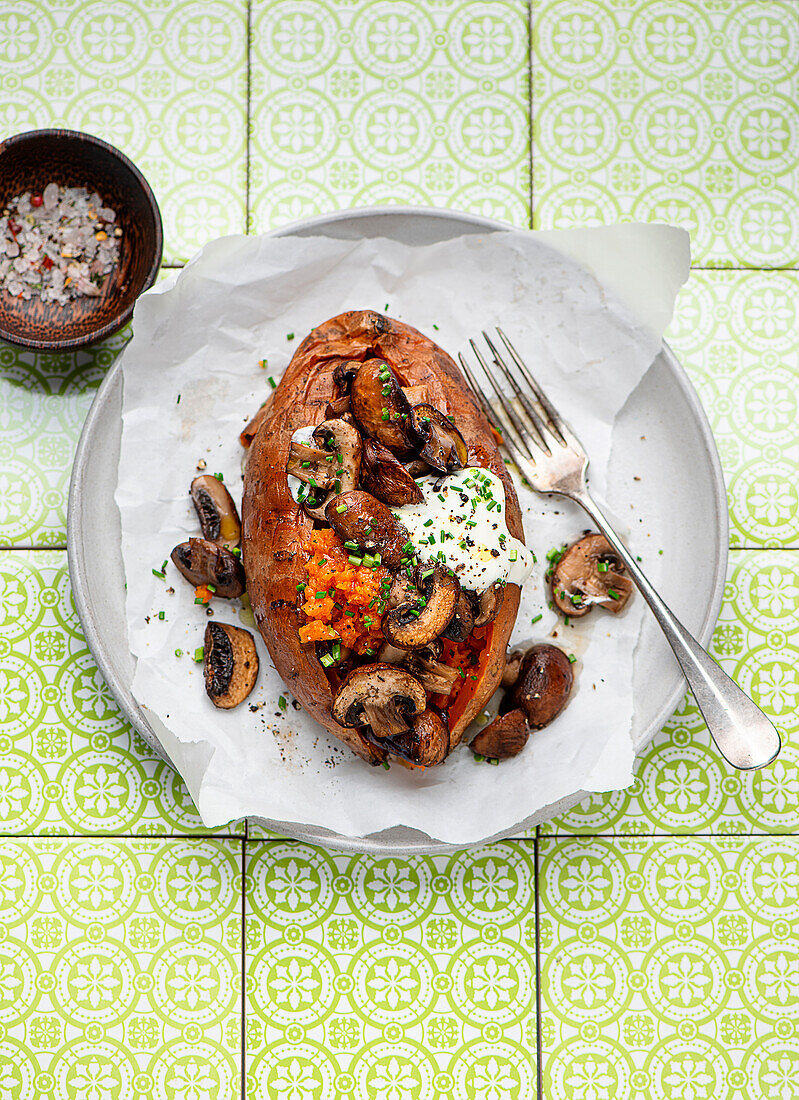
<point x="553" y="460"/>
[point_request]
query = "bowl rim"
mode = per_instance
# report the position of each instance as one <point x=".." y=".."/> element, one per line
<point x="112" y="326"/>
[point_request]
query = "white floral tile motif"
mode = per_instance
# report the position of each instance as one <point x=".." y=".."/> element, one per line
<point x="120" y="967"/>
<point x="675" y="111"/>
<point x="69" y="762"/>
<point x="682" y="785"/>
<point x="669" y="968"/>
<point x="374" y="102"/>
<point x="164" y="82"/>
<point x="735" y="332"/>
<point x="370" y="977"/>
<point x="43" y="403"/>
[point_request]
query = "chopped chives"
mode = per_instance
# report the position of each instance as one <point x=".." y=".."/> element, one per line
<point x="341" y="508"/>
<point x="219" y="477"/>
<point x="158" y="573"/>
<point x="571" y="657"/>
<point x="199" y="653"/>
<point x="282" y="702"/>
<point x="326" y="660"/>
<point x="613" y="594"/>
<point x="602" y="566"/>
<point x="272" y="382"/>
<point x="162" y="615"/>
<point x="178" y="652"/>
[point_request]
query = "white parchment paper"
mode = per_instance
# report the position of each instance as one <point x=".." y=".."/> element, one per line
<point x="191" y="381"/>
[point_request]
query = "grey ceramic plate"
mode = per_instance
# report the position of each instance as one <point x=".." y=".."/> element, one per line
<point x="662" y="435"/>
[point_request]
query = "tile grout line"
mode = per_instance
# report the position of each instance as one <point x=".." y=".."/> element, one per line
<point x="243" y="1051"/>
<point x="530" y="105"/>
<point x="248" y="118"/>
<point x="539" y="1045"/>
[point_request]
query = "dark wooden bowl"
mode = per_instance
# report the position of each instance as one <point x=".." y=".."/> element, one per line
<point x="28" y="162"/>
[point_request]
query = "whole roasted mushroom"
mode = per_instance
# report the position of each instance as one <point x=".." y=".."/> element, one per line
<point x="590" y="572"/>
<point x="544" y="684"/>
<point x="216" y="511"/>
<point x="384" y="476"/>
<point x="344" y="441"/>
<point x="427" y="742"/>
<point x="417" y="623"/>
<point x="443" y="446"/>
<point x="358" y="517"/>
<point x="230" y="664"/>
<point x="381" y="696"/>
<point x="380" y="407"/>
<point x="203" y="562"/>
<point x="505" y="737"/>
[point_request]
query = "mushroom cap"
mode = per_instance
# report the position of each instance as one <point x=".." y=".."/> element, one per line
<point x="382" y="696"/>
<point x="380" y="407"/>
<point x="203" y="562"/>
<point x="216" y="511"/>
<point x="230" y="664"/>
<point x="544" y="684"/>
<point x="415" y="624"/>
<point x="359" y="517"/>
<point x="443" y="445"/>
<point x="384" y="476"/>
<point x="578" y="582"/>
<point x="505" y="737"/>
<point x="426" y="744"/>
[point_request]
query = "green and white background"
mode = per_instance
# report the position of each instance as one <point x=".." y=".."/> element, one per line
<point x="644" y="946"/>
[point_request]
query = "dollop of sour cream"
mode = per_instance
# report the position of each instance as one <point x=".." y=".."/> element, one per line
<point x="462" y="517"/>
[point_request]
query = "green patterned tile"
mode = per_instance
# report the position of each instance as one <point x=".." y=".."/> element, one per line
<point x="679" y="111"/>
<point x="43" y="403"/>
<point x="670" y="968"/>
<point x="69" y="762"/>
<point x="682" y="785"/>
<point x="120" y="964"/>
<point x="410" y="979"/>
<point x="389" y="101"/>
<point x="736" y="334"/>
<point x="165" y="82"/>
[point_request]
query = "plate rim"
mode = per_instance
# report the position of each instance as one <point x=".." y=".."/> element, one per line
<point x="372" y="843"/>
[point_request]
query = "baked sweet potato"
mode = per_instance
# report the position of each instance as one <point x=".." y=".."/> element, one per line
<point x="275" y="528"/>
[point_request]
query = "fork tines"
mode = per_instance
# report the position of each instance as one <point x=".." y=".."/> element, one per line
<point x="526" y="418"/>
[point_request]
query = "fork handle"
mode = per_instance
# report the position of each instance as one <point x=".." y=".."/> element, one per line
<point x="744" y="736"/>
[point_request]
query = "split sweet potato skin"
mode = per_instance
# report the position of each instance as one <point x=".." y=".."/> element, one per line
<point x="274" y="527"/>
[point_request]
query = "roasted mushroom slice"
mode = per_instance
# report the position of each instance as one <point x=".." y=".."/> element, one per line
<point x="505" y="737"/>
<point x="384" y="476"/>
<point x="230" y="664"/>
<point x="361" y="519"/>
<point x="590" y="572"/>
<point x="338" y="407"/>
<point x="426" y="744"/>
<point x="435" y="677"/>
<point x="216" y="511"/>
<point x="460" y="625"/>
<point x="311" y="464"/>
<point x="489" y="603"/>
<point x="344" y="372"/>
<point x="203" y="562"/>
<point x="380" y="696"/>
<point x="340" y="438"/>
<point x="415" y="624"/>
<point x="381" y="408"/>
<point x="545" y="681"/>
<point x="443" y="445"/>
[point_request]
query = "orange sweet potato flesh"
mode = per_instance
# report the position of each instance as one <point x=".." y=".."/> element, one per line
<point x="274" y="527"/>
